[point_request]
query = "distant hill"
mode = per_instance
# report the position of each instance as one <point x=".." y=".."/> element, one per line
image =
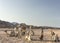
<point x="5" y="24"/>
<point x="15" y="24"/>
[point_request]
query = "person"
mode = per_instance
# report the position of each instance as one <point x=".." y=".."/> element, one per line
<point x="18" y="29"/>
<point x="28" y="38"/>
<point x="41" y="37"/>
<point x="19" y="32"/>
<point x="56" y="38"/>
<point x="52" y="35"/>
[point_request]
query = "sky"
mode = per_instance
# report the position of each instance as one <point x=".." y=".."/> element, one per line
<point x="31" y="12"/>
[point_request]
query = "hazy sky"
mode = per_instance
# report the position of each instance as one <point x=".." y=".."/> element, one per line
<point x="34" y="12"/>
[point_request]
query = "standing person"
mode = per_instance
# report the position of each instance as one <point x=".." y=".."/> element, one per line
<point x="19" y="31"/>
<point x="52" y="35"/>
<point x="56" y="38"/>
<point x="41" y="37"/>
<point x="23" y="30"/>
<point x="28" y="36"/>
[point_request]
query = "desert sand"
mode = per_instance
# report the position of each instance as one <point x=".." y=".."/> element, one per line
<point x="47" y="36"/>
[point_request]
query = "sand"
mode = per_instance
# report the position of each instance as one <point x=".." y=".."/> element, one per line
<point x="47" y="36"/>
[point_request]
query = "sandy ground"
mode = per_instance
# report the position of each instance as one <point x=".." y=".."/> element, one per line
<point x="47" y="36"/>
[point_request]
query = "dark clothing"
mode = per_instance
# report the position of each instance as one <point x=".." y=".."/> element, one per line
<point x="41" y="38"/>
